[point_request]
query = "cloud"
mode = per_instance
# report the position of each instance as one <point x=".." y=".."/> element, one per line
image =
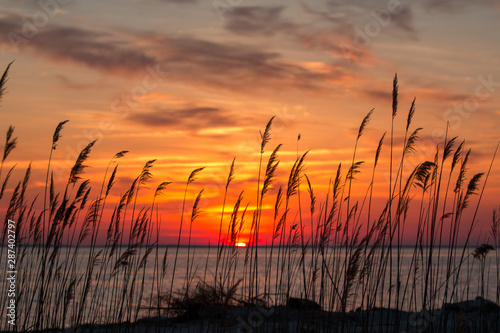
<point x="236" y="66"/>
<point x="95" y="49"/>
<point x="378" y="95"/>
<point x="360" y="13"/>
<point x="261" y="21"/>
<point x="258" y="20"/>
<point x="351" y="18"/>
<point x="453" y="6"/>
<point x="190" y="118"/>
<point x="333" y="30"/>
<point x="404" y="21"/>
<point x="220" y="65"/>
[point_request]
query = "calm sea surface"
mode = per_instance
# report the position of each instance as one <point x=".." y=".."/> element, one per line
<point x="285" y="276"/>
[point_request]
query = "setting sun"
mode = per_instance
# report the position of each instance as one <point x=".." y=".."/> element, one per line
<point x="241" y="244"/>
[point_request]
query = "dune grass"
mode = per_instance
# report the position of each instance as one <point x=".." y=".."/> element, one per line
<point x="347" y="257"/>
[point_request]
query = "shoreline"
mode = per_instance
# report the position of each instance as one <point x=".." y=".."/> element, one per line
<point x="302" y="316"/>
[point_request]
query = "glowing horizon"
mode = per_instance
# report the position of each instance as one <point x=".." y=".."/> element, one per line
<point x="191" y="85"/>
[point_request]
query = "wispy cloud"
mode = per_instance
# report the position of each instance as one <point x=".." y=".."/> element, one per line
<point x="188" y="118"/>
<point x="452" y="6"/>
<point x="97" y="50"/>
<point x="220" y="65"/>
<point x="351" y="15"/>
<point x="333" y="29"/>
<point x="262" y="21"/>
<point x="236" y="66"/>
<point x="259" y="20"/>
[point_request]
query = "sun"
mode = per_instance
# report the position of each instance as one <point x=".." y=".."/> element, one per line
<point x="241" y="244"/>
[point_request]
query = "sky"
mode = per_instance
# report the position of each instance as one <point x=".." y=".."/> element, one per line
<point x="191" y="82"/>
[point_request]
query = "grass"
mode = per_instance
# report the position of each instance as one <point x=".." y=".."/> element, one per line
<point x="349" y="258"/>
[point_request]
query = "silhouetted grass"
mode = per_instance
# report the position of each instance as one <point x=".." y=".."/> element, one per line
<point x="348" y="258"/>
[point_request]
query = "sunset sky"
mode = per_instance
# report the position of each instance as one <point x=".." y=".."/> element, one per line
<point x="191" y="82"/>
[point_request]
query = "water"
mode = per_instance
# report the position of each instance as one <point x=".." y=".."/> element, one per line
<point x="127" y="287"/>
